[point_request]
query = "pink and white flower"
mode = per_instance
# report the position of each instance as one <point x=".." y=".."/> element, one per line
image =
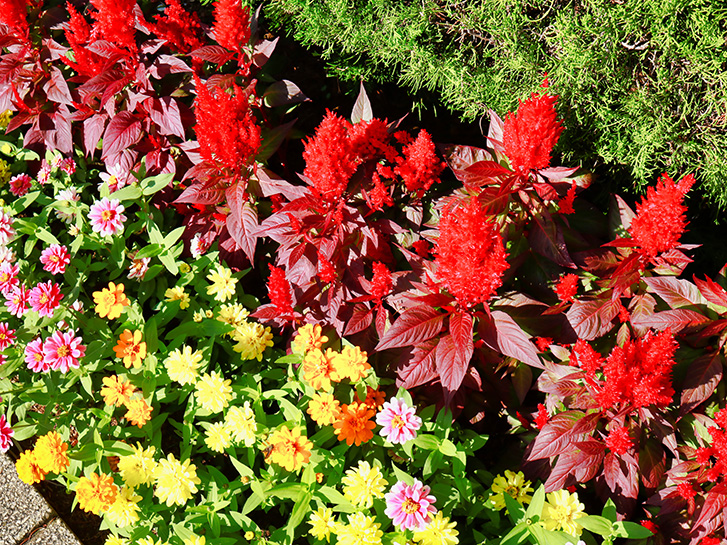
<point x="7" y="336"/>
<point x="410" y="507"/>
<point x="68" y="166"/>
<point x="6" y="228"/>
<point x="44" y="172"/>
<point x="116" y="177"/>
<point x="107" y="216"/>
<point x="45" y="297"/>
<point x="197" y="246"/>
<point x="6" y="434"/>
<point x="399" y="421"/>
<point x="6" y="254"/>
<point x="62" y="351"/>
<point x="17" y="300"/>
<point x="55" y="258"/>
<point x="138" y="268"/>
<point x="8" y="277"/>
<point x="20" y="184"/>
<point x="56" y="161"/>
<point x="35" y="357"/>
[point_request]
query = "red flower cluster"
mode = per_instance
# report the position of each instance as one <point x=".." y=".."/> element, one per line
<point x="567" y="287"/>
<point x="232" y="24"/>
<point x="420" y="167"/>
<point x="115" y="21"/>
<point x="180" y="28"/>
<point x="226" y="130"/>
<point x="618" y="440"/>
<point x="279" y="291"/>
<point x="530" y="134"/>
<point x="14" y="15"/>
<point x="660" y="219"/>
<point x="471" y="257"/>
<point x="586" y="357"/>
<point x="78" y="33"/>
<point x="381" y="283"/>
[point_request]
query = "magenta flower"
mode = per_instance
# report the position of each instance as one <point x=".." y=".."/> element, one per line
<point x="55" y="258"/>
<point x="44" y="172"/>
<point x="6" y="433"/>
<point x="8" y="277"/>
<point x="107" y="216"/>
<point x="20" y="184"/>
<point x="68" y="166"/>
<point x="6" y="228"/>
<point x="35" y="357"/>
<point x="45" y="298"/>
<point x="62" y="350"/>
<point x="7" y="336"/>
<point x="17" y="300"/>
<point x="400" y="422"/>
<point x="410" y="507"/>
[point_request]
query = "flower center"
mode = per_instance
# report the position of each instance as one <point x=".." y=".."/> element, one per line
<point x="108" y="215"/>
<point x="513" y="491"/>
<point x="63" y="351"/>
<point x="43" y="299"/>
<point x="397" y="422"/>
<point x="54" y="259"/>
<point x="409" y="506"/>
<point x="4" y="277"/>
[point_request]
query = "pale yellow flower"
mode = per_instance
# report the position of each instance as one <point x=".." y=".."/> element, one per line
<point x="138" y="468"/>
<point x="124" y="511"/>
<point x="223" y="285"/>
<point x="240" y="422"/>
<point x="360" y="530"/>
<point x="182" y="366"/>
<point x="174" y="481"/>
<point x="195" y="540"/>
<point x="177" y="293"/>
<point x="233" y="314"/>
<point x="513" y="484"/>
<point x="362" y="484"/>
<point x="252" y="340"/>
<point x="323" y="523"/>
<point x="213" y="392"/>
<point x="440" y="531"/>
<point x="217" y="437"/>
<point x="562" y="511"/>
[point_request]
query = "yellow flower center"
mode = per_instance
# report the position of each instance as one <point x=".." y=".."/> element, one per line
<point x="63" y="351"/>
<point x="54" y="259"/>
<point x="409" y="506"/>
<point x="43" y="298"/>
<point x="107" y="215"/>
<point x="397" y="422"/>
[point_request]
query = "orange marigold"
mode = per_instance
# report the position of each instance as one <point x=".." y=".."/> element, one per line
<point x="374" y="398"/>
<point x="354" y="424"/>
<point x="130" y="348"/>
<point x="116" y="391"/>
<point x="110" y="301"/>
<point x="319" y="368"/>
<point x="290" y="449"/>
<point x="28" y="469"/>
<point x="50" y="453"/>
<point x="351" y="363"/>
<point x="323" y="409"/>
<point x="138" y="413"/>
<point x="96" y="493"/>
<point x="309" y="338"/>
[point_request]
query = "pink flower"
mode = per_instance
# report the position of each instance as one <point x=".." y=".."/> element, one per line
<point x="410" y="507"/>
<point x="17" y="300"/>
<point x="55" y="258"/>
<point x="116" y="177"/>
<point x="56" y="161"/>
<point x="8" y="277"/>
<point x="68" y="166"/>
<point x="6" y="433"/>
<point x="6" y="228"/>
<point x="7" y="336"/>
<point x="20" y="184"/>
<point x="45" y="298"/>
<point x="44" y="172"/>
<point x="107" y="216"/>
<point x="138" y="268"/>
<point x="35" y="357"/>
<point x="400" y="422"/>
<point x="62" y="350"/>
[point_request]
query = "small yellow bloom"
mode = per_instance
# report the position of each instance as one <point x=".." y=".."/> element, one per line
<point x="195" y="540"/>
<point x="240" y="421"/>
<point x="182" y="366"/>
<point x="138" y="468"/>
<point x="213" y="392"/>
<point x="324" y="409"/>
<point x="562" y="511"/>
<point x="198" y="316"/>
<point x="114" y="540"/>
<point x="290" y="449"/>
<point x="177" y="293"/>
<point x="110" y="301"/>
<point x="513" y="484"/>
<point x="308" y="338"/>
<point x="249" y="535"/>
<point x="217" y="437"/>
<point x="323" y="523"/>
<point x="362" y="484"/>
<point x="184" y="268"/>
<point x="174" y="481"/>
<point x="138" y="412"/>
<point x="130" y="348"/>
<point x="124" y="511"/>
<point x="5" y="119"/>
<point x="233" y="314"/>
<point x="438" y="532"/>
<point x="223" y="285"/>
<point x="360" y="530"/>
<point x="252" y="340"/>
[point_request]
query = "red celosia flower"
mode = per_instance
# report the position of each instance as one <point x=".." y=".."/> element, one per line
<point x="653" y="528"/>
<point x="541" y="419"/>
<point x="370" y="140"/>
<point x="711" y="540"/>
<point x="178" y="27"/>
<point x="115" y="21"/>
<point x="13" y="14"/>
<point x="226" y="129"/>
<point x="381" y="283"/>
<point x="618" y="440"/>
<point x="420" y="167"/>
<point x="623" y="314"/>
<point x="686" y="491"/>
<point x="660" y="219"/>
<point x="530" y="134"/>
<point x="279" y="291"/>
<point x="638" y="374"/>
<point x="471" y="257"/>
<point x="326" y="270"/>
<point x="566" y="287"/>
<point x="422" y="247"/>
<point x="78" y="34"/>
<point x="586" y="357"/>
<point x="566" y="203"/>
<point x="543" y="343"/>
<point x="232" y="24"/>
<point x="379" y="195"/>
<point x="329" y="158"/>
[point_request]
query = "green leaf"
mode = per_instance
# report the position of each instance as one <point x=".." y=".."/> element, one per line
<point x="402" y="475"/>
<point x="515" y="511"/>
<point x="300" y="510"/>
<point x="447" y="448"/>
<point x="517" y="535"/>
<point x="597" y="525"/>
<point x="427" y="442"/>
<point x="169" y="262"/>
<point x="291" y="491"/>
<point x="45" y="236"/>
<point x="128" y="193"/>
<point x="149" y="186"/>
<point x="173" y="237"/>
<point x="631" y="530"/>
<point x="150" y="250"/>
<point x="609" y="510"/>
<point x="535" y="509"/>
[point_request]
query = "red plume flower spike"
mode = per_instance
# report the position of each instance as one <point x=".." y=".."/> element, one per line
<point x="279" y="291"/>
<point x="178" y="27"/>
<point x="232" y="24"/>
<point x="382" y="282"/>
<point x="13" y="14"/>
<point x="420" y="167"/>
<point x="115" y="21"/>
<point x="567" y="287"/>
<point x="78" y="33"/>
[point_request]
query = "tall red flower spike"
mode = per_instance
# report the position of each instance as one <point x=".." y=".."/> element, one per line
<point x="279" y="291"/>
<point x="530" y="134"/>
<point x="660" y="220"/>
<point x="232" y="24"/>
<point x="13" y="14"/>
<point x="420" y="167"/>
<point x="382" y="282"/>
<point x="115" y="21"/>
<point x="177" y="26"/>
<point x="471" y="257"/>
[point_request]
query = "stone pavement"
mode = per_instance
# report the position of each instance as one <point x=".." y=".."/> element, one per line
<point x="25" y="517"/>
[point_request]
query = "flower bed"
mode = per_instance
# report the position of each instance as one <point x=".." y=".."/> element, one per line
<point x="411" y="343"/>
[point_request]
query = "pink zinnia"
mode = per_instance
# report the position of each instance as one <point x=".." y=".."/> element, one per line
<point x="6" y="433"/>
<point x="44" y="172"/>
<point x="68" y="166"/>
<point x="6" y="228"/>
<point x="400" y="422"/>
<point x="62" y="351"/>
<point x="17" y="300"/>
<point x="8" y="277"/>
<point x="7" y="336"/>
<point x="107" y="216"/>
<point x="410" y="507"/>
<point x="55" y="258"/>
<point x="45" y="297"/>
<point x="20" y="184"/>
<point x="35" y="357"/>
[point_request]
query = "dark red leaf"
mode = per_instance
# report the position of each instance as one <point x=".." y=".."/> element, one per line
<point x="203" y="194"/>
<point x="122" y="131"/>
<point x="460" y="327"/>
<point x="263" y="51"/>
<point x="93" y="128"/>
<point x="547" y="239"/>
<point x="414" y="326"/>
<point x="212" y="53"/>
<point x="450" y="365"/>
<point x="484" y="171"/>
<point x="556" y="436"/>
<point x="165" y="113"/>
<point x="676" y="320"/>
<point x="577" y="464"/>
<point x="167" y="64"/>
<point x="700" y="382"/>
<point x="242" y="220"/>
<point x="714" y="503"/>
<point x="592" y="319"/>
<point x="620" y="476"/>
<point x="420" y="367"/>
<point x="56" y="88"/>
<point x="675" y="292"/>
<point x="711" y="291"/>
<point x="382" y="318"/>
<point x="505" y="336"/>
<point x="641" y="306"/>
<point x="359" y="320"/>
<point x="652" y="463"/>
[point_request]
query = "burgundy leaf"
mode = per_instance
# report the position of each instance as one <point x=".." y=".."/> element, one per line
<point x="714" y="503"/>
<point x="556" y="436"/>
<point x="262" y="52"/>
<point x="359" y="320"/>
<point x="505" y="336"/>
<point x="592" y="319"/>
<point x="450" y="366"/>
<point x="165" y="113"/>
<point x="675" y="292"/>
<point x="419" y="368"/>
<point x="458" y="158"/>
<point x="700" y="382"/>
<point x="414" y="326"/>
<point x="212" y="53"/>
<point x="202" y="194"/>
<point x="641" y="306"/>
<point x="382" y="318"/>
<point x="460" y="327"/>
<point x="167" y="64"/>
<point x="283" y="93"/>
<point x="547" y="239"/>
<point x="620" y="476"/>
<point x="556" y="174"/>
<point x="676" y="320"/>
<point x="93" y="128"/>
<point x="242" y="220"/>
<point x="56" y="88"/>
<point x="652" y="463"/>
<point x="712" y="292"/>
<point x="577" y="464"/>
<point x="621" y="214"/>
<point x="122" y="131"/>
<point x="485" y="171"/>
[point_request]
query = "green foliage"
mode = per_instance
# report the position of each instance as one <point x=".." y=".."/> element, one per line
<point x="642" y="85"/>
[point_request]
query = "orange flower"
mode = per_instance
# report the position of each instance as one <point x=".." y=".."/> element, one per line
<point x="130" y="348"/>
<point x="319" y="368"/>
<point x="138" y="413"/>
<point x="110" y="302"/>
<point x="290" y="449"/>
<point x="28" y="469"/>
<point x="308" y="338"/>
<point x="50" y="453"/>
<point x="116" y="391"/>
<point x="354" y="424"/>
<point x="324" y="409"/>
<point x="96" y="493"/>
<point x="351" y="363"/>
<point x="374" y="398"/>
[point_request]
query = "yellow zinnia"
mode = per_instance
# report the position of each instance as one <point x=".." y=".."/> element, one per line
<point x="513" y="484"/>
<point x="561" y="512"/>
<point x="362" y="484"/>
<point x="213" y="392"/>
<point x="223" y="285"/>
<point x="175" y="481"/>
<point x="138" y="468"/>
<point x="182" y="366"/>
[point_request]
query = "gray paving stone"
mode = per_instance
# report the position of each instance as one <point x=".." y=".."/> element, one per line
<point x="22" y="508"/>
<point x="55" y="533"/>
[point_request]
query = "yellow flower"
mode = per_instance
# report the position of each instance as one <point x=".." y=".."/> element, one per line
<point x="138" y="468"/>
<point x="438" y="532"/>
<point x="213" y="392"/>
<point x="151" y="541"/>
<point x="513" y="484"/>
<point x="223" y="285"/>
<point x="217" y="437"/>
<point x="182" y="366"/>
<point x="362" y="484"/>
<point x="323" y="523"/>
<point x="198" y="316"/>
<point x="240" y="421"/>
<point x="290" y="449"/>
<point x="351" y="363"/>
<point x="28" y="469"/>
<point x="110" y="301"/>
<point x="308" y="337"/>
<point x="5" y="119"/>
<point x="561" y="512"/>
<point x="249" y="535"/>
<point x="96" y="493"/>
<point x="324" y="409"/>
<point x="114" y="540"/>
<point x="50" y="453"/>
<point x="124" y="511"/>
<point x="116" y="390"/>
<point x="360" y="530"/>
<point x="177" y="293"/>
<point x="5" y="173"/>
<point x="175" y="481"/>
<point x="319" y="369"/>
<point x="233" y="314"/>
<point x="138" y="412"/>
<point x="195" y="540"/>
<point x="252" y="340"/>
